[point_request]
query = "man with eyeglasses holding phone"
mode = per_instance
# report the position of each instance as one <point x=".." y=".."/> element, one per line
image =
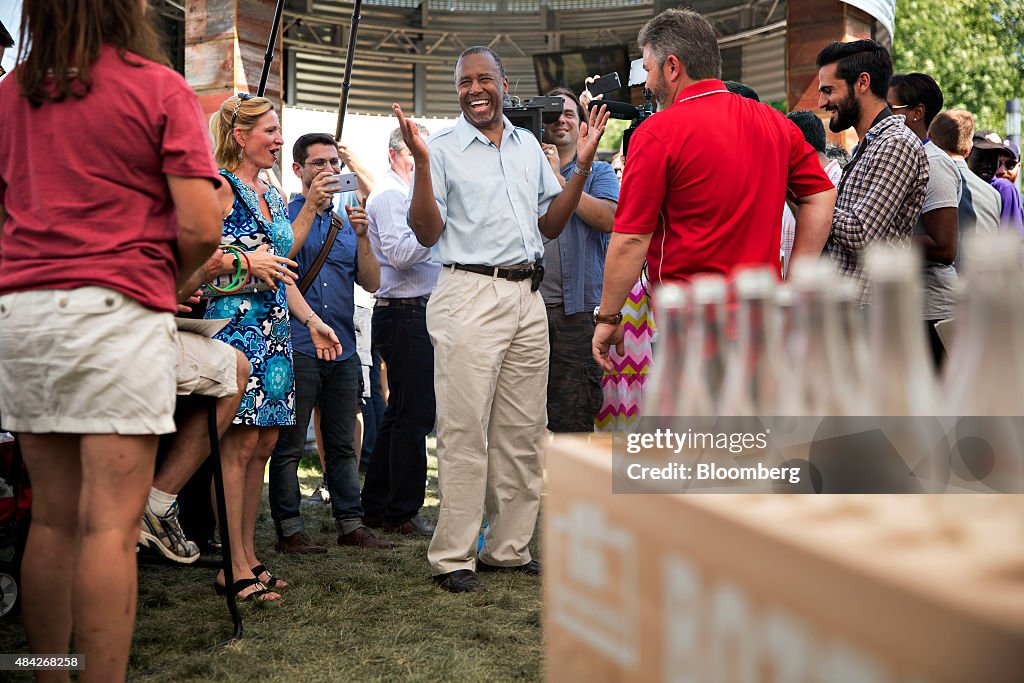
<point x="331" y="385"/>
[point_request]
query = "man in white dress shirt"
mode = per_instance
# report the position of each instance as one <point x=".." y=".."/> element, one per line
<point x="396" y="478"/>
<point x="483" y="196"/>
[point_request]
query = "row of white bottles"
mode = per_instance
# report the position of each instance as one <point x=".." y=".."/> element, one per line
<point x="760" y="347"/>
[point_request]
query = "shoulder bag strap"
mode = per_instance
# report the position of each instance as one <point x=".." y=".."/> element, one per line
<point x="318" y="263"/>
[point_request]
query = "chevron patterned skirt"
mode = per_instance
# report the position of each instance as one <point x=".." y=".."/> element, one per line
<point x="623" y="389"/>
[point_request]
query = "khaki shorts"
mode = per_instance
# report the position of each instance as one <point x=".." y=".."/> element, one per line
<point x="206" y="367"/>
<point x="85" y="361"/>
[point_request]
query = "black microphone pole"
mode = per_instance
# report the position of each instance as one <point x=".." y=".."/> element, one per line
<point x="346" y="80"/>
<point x="271" y="44"/>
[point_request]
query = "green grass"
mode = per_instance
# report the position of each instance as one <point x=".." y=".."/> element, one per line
<point x="352" y="615"/>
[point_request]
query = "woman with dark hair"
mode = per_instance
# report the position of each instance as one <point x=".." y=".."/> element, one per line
<point x="97" y="234"/>
<point x="918" y="97"/>
<point x="247" y="135"/>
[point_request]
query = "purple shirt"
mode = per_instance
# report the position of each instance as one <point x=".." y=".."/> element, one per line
<point x="1012" y="216"/>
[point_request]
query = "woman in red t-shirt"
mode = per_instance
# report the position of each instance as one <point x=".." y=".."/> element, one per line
<point x="107" y="204"/>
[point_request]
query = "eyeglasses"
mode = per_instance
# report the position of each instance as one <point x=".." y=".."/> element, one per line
<point x="242" y="97"/>
<point x="899" y="106"/>
<point x="321" y="164"/>
<point x="1008" y="164"/>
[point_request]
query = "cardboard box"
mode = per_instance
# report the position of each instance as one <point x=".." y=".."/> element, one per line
<point x="779" y="588"/>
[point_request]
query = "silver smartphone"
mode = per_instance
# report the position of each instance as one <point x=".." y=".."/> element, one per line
<point x="343" y="182"/>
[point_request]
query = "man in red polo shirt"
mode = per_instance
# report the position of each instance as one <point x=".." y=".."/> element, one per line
<point x="706" y="177"/>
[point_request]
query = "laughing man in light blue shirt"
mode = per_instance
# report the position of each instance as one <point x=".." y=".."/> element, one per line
<point x="483" y="195"/>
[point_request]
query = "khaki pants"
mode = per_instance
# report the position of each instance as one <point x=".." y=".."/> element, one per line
<point x="490" y="341"/>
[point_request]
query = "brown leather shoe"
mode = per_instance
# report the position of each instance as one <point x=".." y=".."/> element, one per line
<point x="298" y="544"/>
<point x="417" y="526"/>
<point x="363" y="538"/>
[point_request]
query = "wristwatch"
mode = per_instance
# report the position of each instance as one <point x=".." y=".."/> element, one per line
<point x="606" y="319"/>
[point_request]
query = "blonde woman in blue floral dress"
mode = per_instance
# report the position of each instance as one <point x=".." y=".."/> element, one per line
<point x="247" y="135"/>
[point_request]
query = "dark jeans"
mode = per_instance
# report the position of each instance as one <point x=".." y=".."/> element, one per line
<point x="334" y="387"/>
<point x="373" y="412"/>
<point x="574" y="377"/>
<point x="396" y="478"/>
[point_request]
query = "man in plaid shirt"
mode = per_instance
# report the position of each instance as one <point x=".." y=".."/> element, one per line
<point x="882" y="188"/>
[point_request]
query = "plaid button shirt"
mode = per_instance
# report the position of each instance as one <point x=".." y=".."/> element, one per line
<point x="880" y="198"/>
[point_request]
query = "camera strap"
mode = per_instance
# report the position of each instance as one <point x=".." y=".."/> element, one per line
<point x="321" y="258"/>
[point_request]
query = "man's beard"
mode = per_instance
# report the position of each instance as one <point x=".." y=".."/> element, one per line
<point x="846" y="116"/>
<point x="660" y="95"/>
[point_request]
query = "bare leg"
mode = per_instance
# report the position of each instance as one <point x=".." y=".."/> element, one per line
<point x="254" y="492"/>
<point x="192" y="442"/>
<point x="116" y="474"/>
<point x="51" y="552"/>
<point x="237" y="450"/>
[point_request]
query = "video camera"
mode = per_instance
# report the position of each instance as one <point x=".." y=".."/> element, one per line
<point x="533" y="113"/>
<point x="629" y="112"/>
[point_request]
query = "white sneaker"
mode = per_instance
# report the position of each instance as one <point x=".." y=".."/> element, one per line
<point x="164" y="534"/>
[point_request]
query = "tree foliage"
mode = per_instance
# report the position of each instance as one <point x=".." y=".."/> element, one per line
<point x="972" y="48"/>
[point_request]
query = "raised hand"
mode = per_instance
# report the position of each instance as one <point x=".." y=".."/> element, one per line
<point x="411" y="136"/>
<point x="590" y="136"/>
<point x="322" y="189"/>
<point x="358" y="218"/>
<point x="586" y="97"/>
<point x="270" y="267"/>
<point x="551" y="154"/>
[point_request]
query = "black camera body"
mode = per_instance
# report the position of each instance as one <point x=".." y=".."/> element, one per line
<point x="627" y="112"/>
<point x="534" y="113"/>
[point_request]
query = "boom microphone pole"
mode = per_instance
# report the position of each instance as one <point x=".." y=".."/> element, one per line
<point x="271" y="44"/>
<point x="346" y="80"/>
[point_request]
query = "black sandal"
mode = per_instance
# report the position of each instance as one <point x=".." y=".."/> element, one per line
<point x="241" y="585"/>
<point x="272" y="582"/>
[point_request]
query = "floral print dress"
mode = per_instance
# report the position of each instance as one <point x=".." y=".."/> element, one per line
<point x="259" y="322"/>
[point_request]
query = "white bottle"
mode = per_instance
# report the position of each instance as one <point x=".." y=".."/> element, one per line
<point x="819" y="383"/>
<point x="853" y="328"/>
<point x="703" y="361"/>
<point x="667" y="368"/>
<point x="984" y="381"/>
<point x="902" y="381"/>
<point x="752" y="379"/>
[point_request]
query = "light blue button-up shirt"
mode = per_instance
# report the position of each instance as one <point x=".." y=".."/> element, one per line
<point x="489" y="197"/>
<point x="406" y="269"/>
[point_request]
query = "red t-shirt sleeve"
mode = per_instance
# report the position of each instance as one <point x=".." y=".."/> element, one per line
<point x="806" y="177"/>
<point x="185" y="147"/>
<point x="644" y="183"/>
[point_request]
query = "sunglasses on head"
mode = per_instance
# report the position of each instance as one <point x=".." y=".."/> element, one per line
<point x="242" y="97"/>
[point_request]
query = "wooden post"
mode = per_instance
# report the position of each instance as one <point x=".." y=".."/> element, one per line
<point x="225" y="42"/>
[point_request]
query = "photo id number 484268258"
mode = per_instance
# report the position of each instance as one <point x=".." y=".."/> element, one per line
<point x="41" y="662"/>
